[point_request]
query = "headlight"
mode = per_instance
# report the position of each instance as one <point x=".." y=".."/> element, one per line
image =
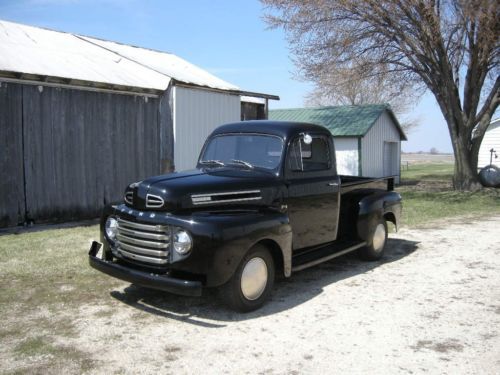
<point x="111" y="228"/>
<point x="182" y="242"/>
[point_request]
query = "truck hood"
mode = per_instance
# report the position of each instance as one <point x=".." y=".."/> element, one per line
<point x="205" y="188"/>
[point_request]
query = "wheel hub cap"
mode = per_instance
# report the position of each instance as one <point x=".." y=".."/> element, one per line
<point x="379" y="237"/>
<point x="254" y="278"/>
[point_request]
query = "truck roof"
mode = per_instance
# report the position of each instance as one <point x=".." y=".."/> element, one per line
<point x="283" y="129"/>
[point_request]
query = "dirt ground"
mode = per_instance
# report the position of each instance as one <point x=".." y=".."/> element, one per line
<point x="431" y="305"/>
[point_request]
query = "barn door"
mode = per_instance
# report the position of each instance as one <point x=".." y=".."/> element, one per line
<point x="391" y="167"/>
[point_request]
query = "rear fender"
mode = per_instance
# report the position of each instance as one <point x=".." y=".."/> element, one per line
<point x="374" y="207"/>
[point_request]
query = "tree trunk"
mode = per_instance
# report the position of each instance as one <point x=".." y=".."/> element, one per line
<point x="465" y="176"/>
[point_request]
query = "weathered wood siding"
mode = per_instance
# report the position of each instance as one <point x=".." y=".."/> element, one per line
<point x="196" y="114"/>
<point x="11" y="155"/>
<point x="79" y="149"/>
<point x="372" y="146"/>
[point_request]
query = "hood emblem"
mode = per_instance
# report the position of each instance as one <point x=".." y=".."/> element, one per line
<point x="227" y="197"/>
<point x="154" y="201"/>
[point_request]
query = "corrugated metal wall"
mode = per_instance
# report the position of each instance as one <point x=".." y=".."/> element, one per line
<point x="80" y="150"/>
<point x="346" y="153"/>
<point x="372" y="146"/>
<point x="196" y="114"/>
<point x="491" y="140"/>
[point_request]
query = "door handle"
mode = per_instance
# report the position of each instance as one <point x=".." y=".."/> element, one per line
<point x="332" y="184"/>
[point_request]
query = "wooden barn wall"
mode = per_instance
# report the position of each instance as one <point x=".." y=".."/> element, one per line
<point x="11" y="155"/>
<point x="81" y="149"/>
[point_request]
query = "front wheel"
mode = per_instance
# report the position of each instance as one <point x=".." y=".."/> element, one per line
<point x="376" y="243"/>
<point x="251" y="285"/>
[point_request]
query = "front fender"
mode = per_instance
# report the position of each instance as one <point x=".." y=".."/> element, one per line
<point x="234" y="239"/>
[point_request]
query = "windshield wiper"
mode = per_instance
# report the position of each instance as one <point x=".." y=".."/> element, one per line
<point x="245" y="163"/>
<point x="218" y="162"/>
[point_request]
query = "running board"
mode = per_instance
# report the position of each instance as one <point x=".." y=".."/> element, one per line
<point x="324" y="254"/>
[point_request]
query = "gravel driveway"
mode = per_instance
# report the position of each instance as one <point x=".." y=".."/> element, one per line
<point x="431" y="305"/>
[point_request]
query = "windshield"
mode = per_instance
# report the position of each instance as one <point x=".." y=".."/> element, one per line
<point x="245" y="150"/>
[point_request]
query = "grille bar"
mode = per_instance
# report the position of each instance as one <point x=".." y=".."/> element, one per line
<point x="135" y="241"/>
<point x="143" y="258"/>
<point x="145" y="243"/>
<point x="147" y="235"/>
<point x="148" y="227"/>
<point x="141" y="250"/>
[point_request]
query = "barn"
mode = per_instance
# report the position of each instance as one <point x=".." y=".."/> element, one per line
<point x="491" y="141"/>
<point x="82" y="117"/>
<point x="367" y="137"/>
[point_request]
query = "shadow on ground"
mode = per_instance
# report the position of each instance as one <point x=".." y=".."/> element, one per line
<point x="288" y="293"/>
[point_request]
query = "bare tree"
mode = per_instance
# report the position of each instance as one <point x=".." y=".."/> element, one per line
<point x="450" y="47"/>
<point x="351" y="86"/>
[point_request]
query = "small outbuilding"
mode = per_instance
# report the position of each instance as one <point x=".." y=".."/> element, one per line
<point x="490" y="146"/>
<point x="82" y="117"/>
<point x="367" y="137"/>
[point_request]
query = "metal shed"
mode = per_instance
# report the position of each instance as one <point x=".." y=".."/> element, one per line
<point x="81" y="117"/>
<point x="491" y="141"/>
<point x="367" y="137"/>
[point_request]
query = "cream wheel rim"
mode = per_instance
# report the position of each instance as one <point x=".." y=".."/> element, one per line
<point x="254" y="278"/>
<point x="379" y="237"/>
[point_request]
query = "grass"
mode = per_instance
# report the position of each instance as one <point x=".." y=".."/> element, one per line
<point x="433" y="171"/>
<point x="45" y="279"/>
<point x="428" y="196"/>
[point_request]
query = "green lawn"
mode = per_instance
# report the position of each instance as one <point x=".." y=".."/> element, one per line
<point x="428" y="196"/>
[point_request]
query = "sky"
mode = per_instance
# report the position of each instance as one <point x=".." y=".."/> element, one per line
<point x="228" y="38"/>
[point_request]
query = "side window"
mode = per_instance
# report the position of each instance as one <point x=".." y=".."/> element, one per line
<point x="314" y="156"/>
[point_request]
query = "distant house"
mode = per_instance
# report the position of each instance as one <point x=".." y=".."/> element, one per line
<point x="367" y="137"/>
<point x="490" y="141"/>
<point x="82" y="117"/>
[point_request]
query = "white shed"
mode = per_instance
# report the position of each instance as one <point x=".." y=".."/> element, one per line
<point x="367" y="137"/>
<point x="491" y="141"/>
<point x="81" y="117"/>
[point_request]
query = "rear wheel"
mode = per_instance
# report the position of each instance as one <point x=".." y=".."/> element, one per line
<point x="376" y="243"/>
<point x="251" y="285"/>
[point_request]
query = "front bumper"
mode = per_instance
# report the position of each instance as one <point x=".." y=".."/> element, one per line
<point x="145" y="279"/>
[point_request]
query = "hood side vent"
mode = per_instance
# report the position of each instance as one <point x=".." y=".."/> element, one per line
<point x="154" y="201"/>
<point x="129" y="198"/>
<point x="229" y="197"/>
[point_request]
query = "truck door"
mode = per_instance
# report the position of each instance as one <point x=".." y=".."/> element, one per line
<point x="313" y="190"/>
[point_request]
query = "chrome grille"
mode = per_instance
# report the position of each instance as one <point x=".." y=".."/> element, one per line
<point x="129" y="198"/>
<point x="143" y="242"/>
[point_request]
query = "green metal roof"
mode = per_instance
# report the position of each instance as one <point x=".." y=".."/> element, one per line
<point x="342" y="121"/>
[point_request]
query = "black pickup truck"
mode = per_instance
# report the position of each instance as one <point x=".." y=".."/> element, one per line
<point x="265" y="199"/>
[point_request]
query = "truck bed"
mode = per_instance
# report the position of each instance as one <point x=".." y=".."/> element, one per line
<point x="350" y="183"/>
